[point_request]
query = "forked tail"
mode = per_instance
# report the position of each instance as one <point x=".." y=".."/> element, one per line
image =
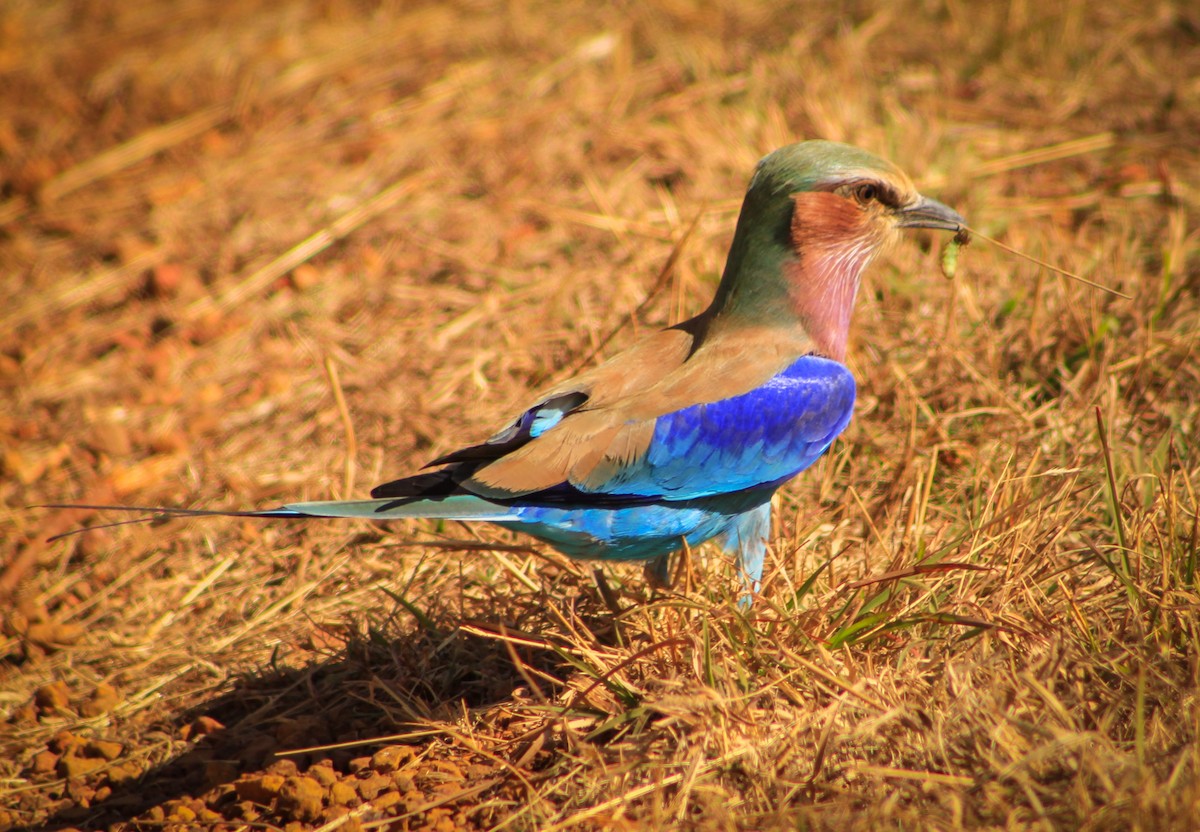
<point x="456" y="507"/>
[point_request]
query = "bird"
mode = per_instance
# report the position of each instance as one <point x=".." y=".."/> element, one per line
<point x="685" y="436"/>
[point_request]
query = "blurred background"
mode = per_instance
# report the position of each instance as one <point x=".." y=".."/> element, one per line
<point x="277" y="250"/>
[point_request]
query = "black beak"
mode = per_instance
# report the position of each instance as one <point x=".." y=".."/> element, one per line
<point x="929" y="213"/>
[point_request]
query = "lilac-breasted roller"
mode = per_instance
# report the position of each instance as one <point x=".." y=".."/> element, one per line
<point x="685" y="436"/>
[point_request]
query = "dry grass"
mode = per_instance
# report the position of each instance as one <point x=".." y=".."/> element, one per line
<point x="221" y="221"/>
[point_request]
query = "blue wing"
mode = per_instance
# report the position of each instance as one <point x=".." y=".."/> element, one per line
<point x="762" y="437"/>
<point x="528" y="426"/>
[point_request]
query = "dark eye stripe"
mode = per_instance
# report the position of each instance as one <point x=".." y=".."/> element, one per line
<point x="884" y="193"/>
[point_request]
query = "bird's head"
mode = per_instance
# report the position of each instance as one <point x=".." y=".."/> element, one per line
<point x="815" y="215"/>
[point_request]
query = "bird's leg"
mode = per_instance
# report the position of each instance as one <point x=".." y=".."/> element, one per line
<point x="606" y="592"/>
<point x="658" y="572"/>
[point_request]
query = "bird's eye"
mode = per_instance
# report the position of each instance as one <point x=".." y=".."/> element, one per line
<point x="866" y="193"/>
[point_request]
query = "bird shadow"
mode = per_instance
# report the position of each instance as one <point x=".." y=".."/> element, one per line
<point x="377" y="684"/>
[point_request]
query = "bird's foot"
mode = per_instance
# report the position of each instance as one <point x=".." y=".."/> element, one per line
<point x="658" y="572"/>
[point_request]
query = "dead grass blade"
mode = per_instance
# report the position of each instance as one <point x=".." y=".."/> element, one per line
<point x="1049" y="266"/>
<point x="257" y="281"/>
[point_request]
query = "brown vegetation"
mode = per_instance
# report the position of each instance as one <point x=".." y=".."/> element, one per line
<point x="281" y="249"/>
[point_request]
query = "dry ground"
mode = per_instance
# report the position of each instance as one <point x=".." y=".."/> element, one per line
<point x="283" y="249"/>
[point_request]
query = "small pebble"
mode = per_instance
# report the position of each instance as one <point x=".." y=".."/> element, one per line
<point x="302" y="796"/>
<point x="103" y="748"/>
<point x="260" y="790"/>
